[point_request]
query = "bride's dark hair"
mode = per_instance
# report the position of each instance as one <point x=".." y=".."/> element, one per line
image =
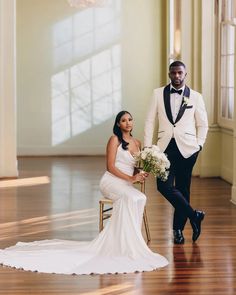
<point x="117" y="131"/>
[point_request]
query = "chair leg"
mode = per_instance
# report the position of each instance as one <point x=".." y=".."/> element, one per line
<point x="145" y="215"/>
<point x="101" y="216"/>
<point x="146" y="225"/>
<point x="142" y="188"/>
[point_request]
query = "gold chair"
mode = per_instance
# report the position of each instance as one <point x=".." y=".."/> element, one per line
<point x="105" y="213"/>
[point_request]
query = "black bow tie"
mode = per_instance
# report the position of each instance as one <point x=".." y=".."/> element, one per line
<point x="173" y="90"/>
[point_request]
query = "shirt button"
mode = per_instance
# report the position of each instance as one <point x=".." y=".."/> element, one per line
<point x="174" y="125"/>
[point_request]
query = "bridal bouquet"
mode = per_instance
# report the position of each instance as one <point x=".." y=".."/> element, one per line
<point x="153" y="161"/>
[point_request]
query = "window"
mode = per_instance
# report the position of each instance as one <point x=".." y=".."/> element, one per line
<point x="227" y="56"/>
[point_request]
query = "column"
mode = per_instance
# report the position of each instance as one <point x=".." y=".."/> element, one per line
<point x="210" y="156"/>
<point x="8" y="160"/>
<point x="233" y="193"/>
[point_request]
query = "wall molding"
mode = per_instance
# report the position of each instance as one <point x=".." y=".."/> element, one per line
<point x="95" y="150"/>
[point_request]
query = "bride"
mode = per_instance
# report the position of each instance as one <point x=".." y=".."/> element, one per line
<point x="120" y="247"/>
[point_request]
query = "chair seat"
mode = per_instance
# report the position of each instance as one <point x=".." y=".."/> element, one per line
<point x="105" y="201"/>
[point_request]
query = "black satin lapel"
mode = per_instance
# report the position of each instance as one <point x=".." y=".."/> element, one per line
<point x="166" y="95"/>
<point x="183" y="106"/>
<point x="186" y="91"/>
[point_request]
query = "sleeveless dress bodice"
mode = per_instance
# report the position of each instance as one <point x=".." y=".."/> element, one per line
<point x="125" y="162"/>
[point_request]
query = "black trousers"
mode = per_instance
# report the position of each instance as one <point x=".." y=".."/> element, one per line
<point x="176" y="189"/>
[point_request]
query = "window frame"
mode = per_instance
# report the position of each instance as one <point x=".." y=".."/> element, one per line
<point x="223" y="21"/>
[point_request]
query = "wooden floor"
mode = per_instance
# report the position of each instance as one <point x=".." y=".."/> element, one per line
<point x="58" y="198"/>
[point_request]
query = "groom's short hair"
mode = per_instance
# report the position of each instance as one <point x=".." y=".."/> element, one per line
<point x="177" y="63"/>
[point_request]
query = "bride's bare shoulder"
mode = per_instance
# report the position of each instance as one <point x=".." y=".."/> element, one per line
<point x="113" y="140"/>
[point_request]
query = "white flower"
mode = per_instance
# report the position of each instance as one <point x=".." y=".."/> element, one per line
<point x="153" y="161"/>
<point x="186" y="100"/>
<point x="155" y="148"/>
<point x="143" y="156"/>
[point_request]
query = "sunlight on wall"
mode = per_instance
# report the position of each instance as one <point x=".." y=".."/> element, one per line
<point x="88" y="91"/>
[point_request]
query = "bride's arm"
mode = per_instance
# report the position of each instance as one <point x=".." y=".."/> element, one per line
<point x="111" y="151"/>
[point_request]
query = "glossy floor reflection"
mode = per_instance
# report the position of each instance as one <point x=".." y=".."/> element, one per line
<point x="66" y="207"/>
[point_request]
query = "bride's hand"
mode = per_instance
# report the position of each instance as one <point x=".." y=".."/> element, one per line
<point x="146" y="174"/>
<point x="139" y="177"/>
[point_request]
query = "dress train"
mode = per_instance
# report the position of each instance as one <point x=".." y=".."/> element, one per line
<point x="119" y="248"/>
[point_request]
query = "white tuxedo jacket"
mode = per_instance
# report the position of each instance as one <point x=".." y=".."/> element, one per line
<point x="190" y="127"/>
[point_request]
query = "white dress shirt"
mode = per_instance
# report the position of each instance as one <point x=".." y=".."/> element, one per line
<point x="175" y="102"/>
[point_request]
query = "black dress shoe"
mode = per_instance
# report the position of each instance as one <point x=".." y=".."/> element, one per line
<point x="178" y="237"/>
<point x="196" y="224"/>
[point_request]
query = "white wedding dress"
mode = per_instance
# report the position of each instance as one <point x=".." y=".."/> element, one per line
<point x="119" y="248"/>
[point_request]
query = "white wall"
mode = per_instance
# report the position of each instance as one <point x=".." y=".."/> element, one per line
<point x="77" y="68"/>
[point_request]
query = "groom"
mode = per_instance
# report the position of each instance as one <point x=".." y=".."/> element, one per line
<point x="182" y="130"/>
